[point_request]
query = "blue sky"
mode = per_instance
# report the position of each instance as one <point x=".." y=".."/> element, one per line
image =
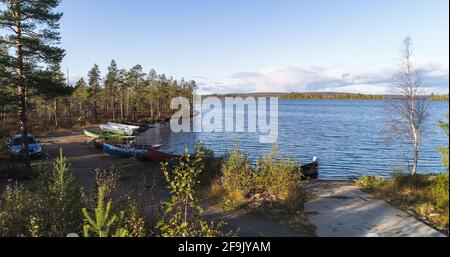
<point x="261" y="45"/>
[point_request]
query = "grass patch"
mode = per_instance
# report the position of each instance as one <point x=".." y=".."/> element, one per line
<point x="271" y="188"/>
<point x="272" y="181"/>
<point x="424" y="195"/>
<point x="49" y="207"/>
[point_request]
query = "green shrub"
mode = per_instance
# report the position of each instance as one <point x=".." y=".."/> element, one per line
<point x="182" y="212"/>
<point x="273" y="178"/>
<point x="444" y="153"/>
<point x="108" y="180"/>
<point x="438" y="192"/>
<point x="444" y="150"/>
<point x="277" y="177"/>
<point x="60" y="198"/>
<point x="51" y="208"/>
<point x="104" y="224"/>
<point x="211" y="166"/>
<point x="369" y="181"/>
<point x="134" y="222"/>
<point x="16" y="212"/>
<point x="129" y="208"/>
<point x="237" y="178"/>
<point x="134" y="202"/>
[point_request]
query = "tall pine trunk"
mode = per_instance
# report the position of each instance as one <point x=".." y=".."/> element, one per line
<point x="55" y="111"/>
<point x="121" y="106"/>
<point x="22" y="94"/>
<point x="95" y="111"/>
<point x="128" y="104"/>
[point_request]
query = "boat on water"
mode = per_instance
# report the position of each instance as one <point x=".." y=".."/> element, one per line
<point x="131" y="152"/>
<point x="117" y="130"/>
<point x="158" y="156"/>
<point x="126" y="126"/>
<point x="310" y="171"/>
<point x="105" y="135"/>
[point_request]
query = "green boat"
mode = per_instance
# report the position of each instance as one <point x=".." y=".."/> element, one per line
<point x="105" y="135"/>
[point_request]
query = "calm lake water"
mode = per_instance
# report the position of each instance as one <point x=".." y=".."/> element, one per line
<point x="346" y="135"/>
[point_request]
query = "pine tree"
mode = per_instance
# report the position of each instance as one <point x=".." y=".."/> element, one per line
<point x="95" y="89"/>
<point x="80" y="97"/>
<point x="32" y="36"/>
<point x="54" y="88"/>
<point x="4" y="85"/>
<point x="134" y="80"/>
<point x="5" y="94"/>
<point x="111" y="84"/>
<point x="103" y="221"/>
<point x="123" y="89"/>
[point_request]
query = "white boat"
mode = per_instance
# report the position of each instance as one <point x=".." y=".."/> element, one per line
<point x="117" y="129"/>
<point x="129" y="127"/>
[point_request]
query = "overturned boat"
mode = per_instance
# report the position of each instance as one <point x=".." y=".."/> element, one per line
<point x="310" y="171"/>
<point x="125" y="126"/>
<point x="119" y="130"/>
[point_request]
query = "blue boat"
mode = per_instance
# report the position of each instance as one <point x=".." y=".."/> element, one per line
<point x="133" y="152"/>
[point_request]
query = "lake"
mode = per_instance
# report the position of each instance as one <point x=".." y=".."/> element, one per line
<point x="347" y="136"/>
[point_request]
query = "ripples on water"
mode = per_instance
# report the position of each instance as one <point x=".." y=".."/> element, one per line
<point x="346" y="135"/>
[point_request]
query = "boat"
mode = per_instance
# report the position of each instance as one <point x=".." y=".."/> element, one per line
<point x="158" y="156"/>
<point x="132" y="152"/>
<point x="117" y="130"/>
<point x="126" y="126"/>
<point x="311" y="171"/>
<point x="105" y="135"/>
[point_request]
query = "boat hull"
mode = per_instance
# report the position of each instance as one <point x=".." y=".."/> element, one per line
<point x="158" y="156"/>
<point x="124" y="152"/>
<point x="105" y="135"/>
<point x="128" y="127"/>
<point x="116" y="130"/>
<point x="310" y="171"/>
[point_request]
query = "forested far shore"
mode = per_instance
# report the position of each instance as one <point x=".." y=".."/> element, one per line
<point x="327" y="96"/>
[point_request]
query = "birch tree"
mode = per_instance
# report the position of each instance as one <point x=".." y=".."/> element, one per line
<point x="410" y="109"/>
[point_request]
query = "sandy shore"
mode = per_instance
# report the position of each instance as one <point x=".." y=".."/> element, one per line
<point x="84" y="159"/>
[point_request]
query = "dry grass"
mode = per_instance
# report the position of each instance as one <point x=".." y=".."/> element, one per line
<point x="274" y="183"/>
<point x="425" y="195"/>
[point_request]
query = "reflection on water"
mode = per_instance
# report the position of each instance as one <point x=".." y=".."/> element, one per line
<point x="346" y="135"/>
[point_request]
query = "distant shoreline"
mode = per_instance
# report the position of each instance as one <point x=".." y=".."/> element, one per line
<point x="325" y="96"/>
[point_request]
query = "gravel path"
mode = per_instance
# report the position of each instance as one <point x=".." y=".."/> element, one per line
<point x="342" y="210"/>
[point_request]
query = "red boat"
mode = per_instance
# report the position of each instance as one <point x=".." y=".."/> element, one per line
<point x="158" y="156"/>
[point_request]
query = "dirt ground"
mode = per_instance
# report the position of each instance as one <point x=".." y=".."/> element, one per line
<point x="84" y="159"/>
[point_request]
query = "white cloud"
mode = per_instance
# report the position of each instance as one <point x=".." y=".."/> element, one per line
<point x="320" y="79"/>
